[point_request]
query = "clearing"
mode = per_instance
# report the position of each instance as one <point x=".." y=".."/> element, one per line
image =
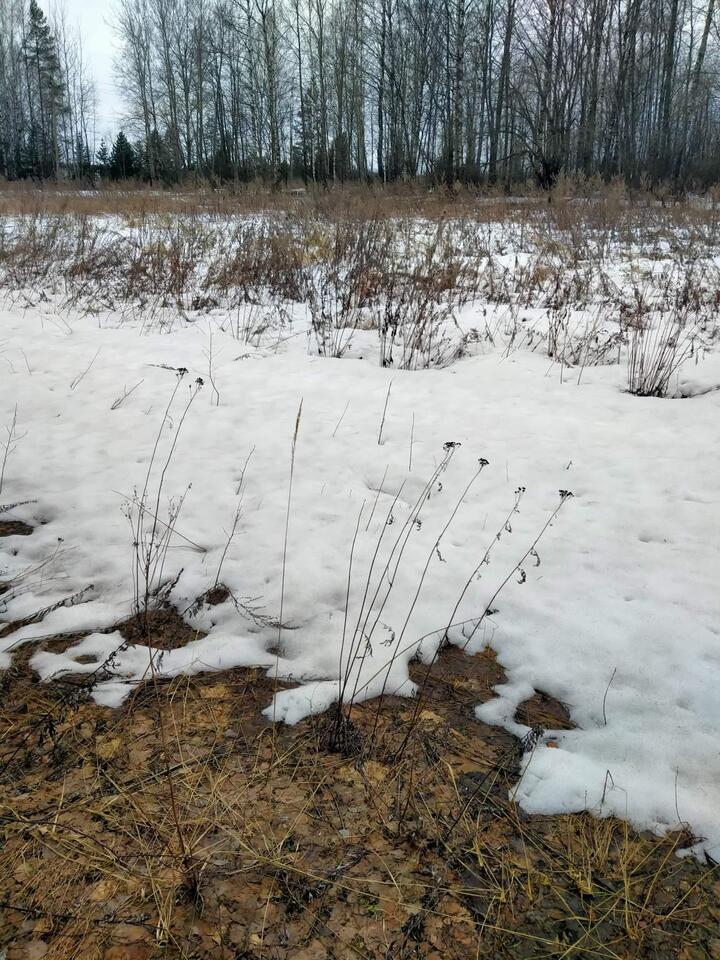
<point x="358" y="580"/>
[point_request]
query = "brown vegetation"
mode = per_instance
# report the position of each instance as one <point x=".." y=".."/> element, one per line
<point x="571" y="199"/>
<point x="228" y="837"/>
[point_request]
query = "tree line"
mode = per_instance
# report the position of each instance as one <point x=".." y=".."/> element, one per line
<point x="333" y="90"/>
<point x="46" y="95"/>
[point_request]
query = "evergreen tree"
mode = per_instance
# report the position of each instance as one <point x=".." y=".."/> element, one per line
<point x="83" y="167"/>
<point x="102" y="158"/>
<point x="163" y="164"/>
<point x="45" y="93"/>
<point x="122" y="159"/>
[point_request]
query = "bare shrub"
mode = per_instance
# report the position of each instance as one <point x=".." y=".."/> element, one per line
<point x="352" y="269"/>
<point x="655" y="354"/>
<point x="582" y="342"/>
<point x="252" y="321"/>
<point x="258" y="255"/>
<point x="411" y="326"/>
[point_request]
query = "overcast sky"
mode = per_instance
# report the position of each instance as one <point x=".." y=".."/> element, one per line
<point x="92" y="17"/>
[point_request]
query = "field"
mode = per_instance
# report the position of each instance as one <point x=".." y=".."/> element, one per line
<point x="358" y="574"/>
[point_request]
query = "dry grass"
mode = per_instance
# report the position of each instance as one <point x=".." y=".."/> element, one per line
<point x="405" y="277"/>
<point x="656" y="354"/>
<point x="340" y="202"/>
<point x="292" y="851"/>
<point x="571" y="207"/>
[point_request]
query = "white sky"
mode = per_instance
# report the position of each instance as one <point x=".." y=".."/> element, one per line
<point x="93" y="18"/>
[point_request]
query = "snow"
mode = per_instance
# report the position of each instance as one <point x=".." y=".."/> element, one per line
<point x="618" y="616"/>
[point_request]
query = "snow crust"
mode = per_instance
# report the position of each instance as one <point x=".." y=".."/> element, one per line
<point x="618" y="616"/>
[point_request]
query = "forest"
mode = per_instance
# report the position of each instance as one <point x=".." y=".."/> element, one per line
<point x="474" y="91"/>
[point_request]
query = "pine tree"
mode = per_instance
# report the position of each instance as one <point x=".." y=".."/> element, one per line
<point x="122" y="159"/>
<point x="45" y="92"/>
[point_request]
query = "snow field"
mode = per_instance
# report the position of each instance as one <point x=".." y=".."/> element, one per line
<point x="617" y="615"/>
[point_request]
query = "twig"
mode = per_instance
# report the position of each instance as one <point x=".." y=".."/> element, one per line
<point x="564" y="496"/>
<point x="382" y="422"/>
<point x="81" y="376"/>
<point x="9" y="445"/>
<point x="412" y="440"/>
<point x="377" y="496"/>
<point x="136" y="502"/>
<point x="287" y="522"/>
<point x="607" y="690"/>
<point x="125" y="394"/>
<point x="341" y="418"/>
<point x="215" y="394"/>
<point x="347" y="590"/>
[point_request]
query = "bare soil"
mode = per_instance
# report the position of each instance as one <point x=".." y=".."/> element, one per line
<point x="14" y="528"/>
<point x="185" y="825"/>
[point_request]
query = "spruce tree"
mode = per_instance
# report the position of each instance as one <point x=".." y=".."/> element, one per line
<point x="82" y="158"/>
<point x="102" y="158"/>
<point x="122" y="159"/>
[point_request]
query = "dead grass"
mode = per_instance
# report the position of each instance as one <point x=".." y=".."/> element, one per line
<point x="571" y="208"/>
<point x="336" y="202"/>
<point x="292" y="851"/>
<point x="403" y="260"/>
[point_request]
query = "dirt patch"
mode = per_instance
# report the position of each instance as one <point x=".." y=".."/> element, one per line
<point x="186" y="825"/>
<point x="542" y="710"/>
<point x="15" y="528"/>
<point x="216" y="595"/>
<point x="164" y="629"/>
